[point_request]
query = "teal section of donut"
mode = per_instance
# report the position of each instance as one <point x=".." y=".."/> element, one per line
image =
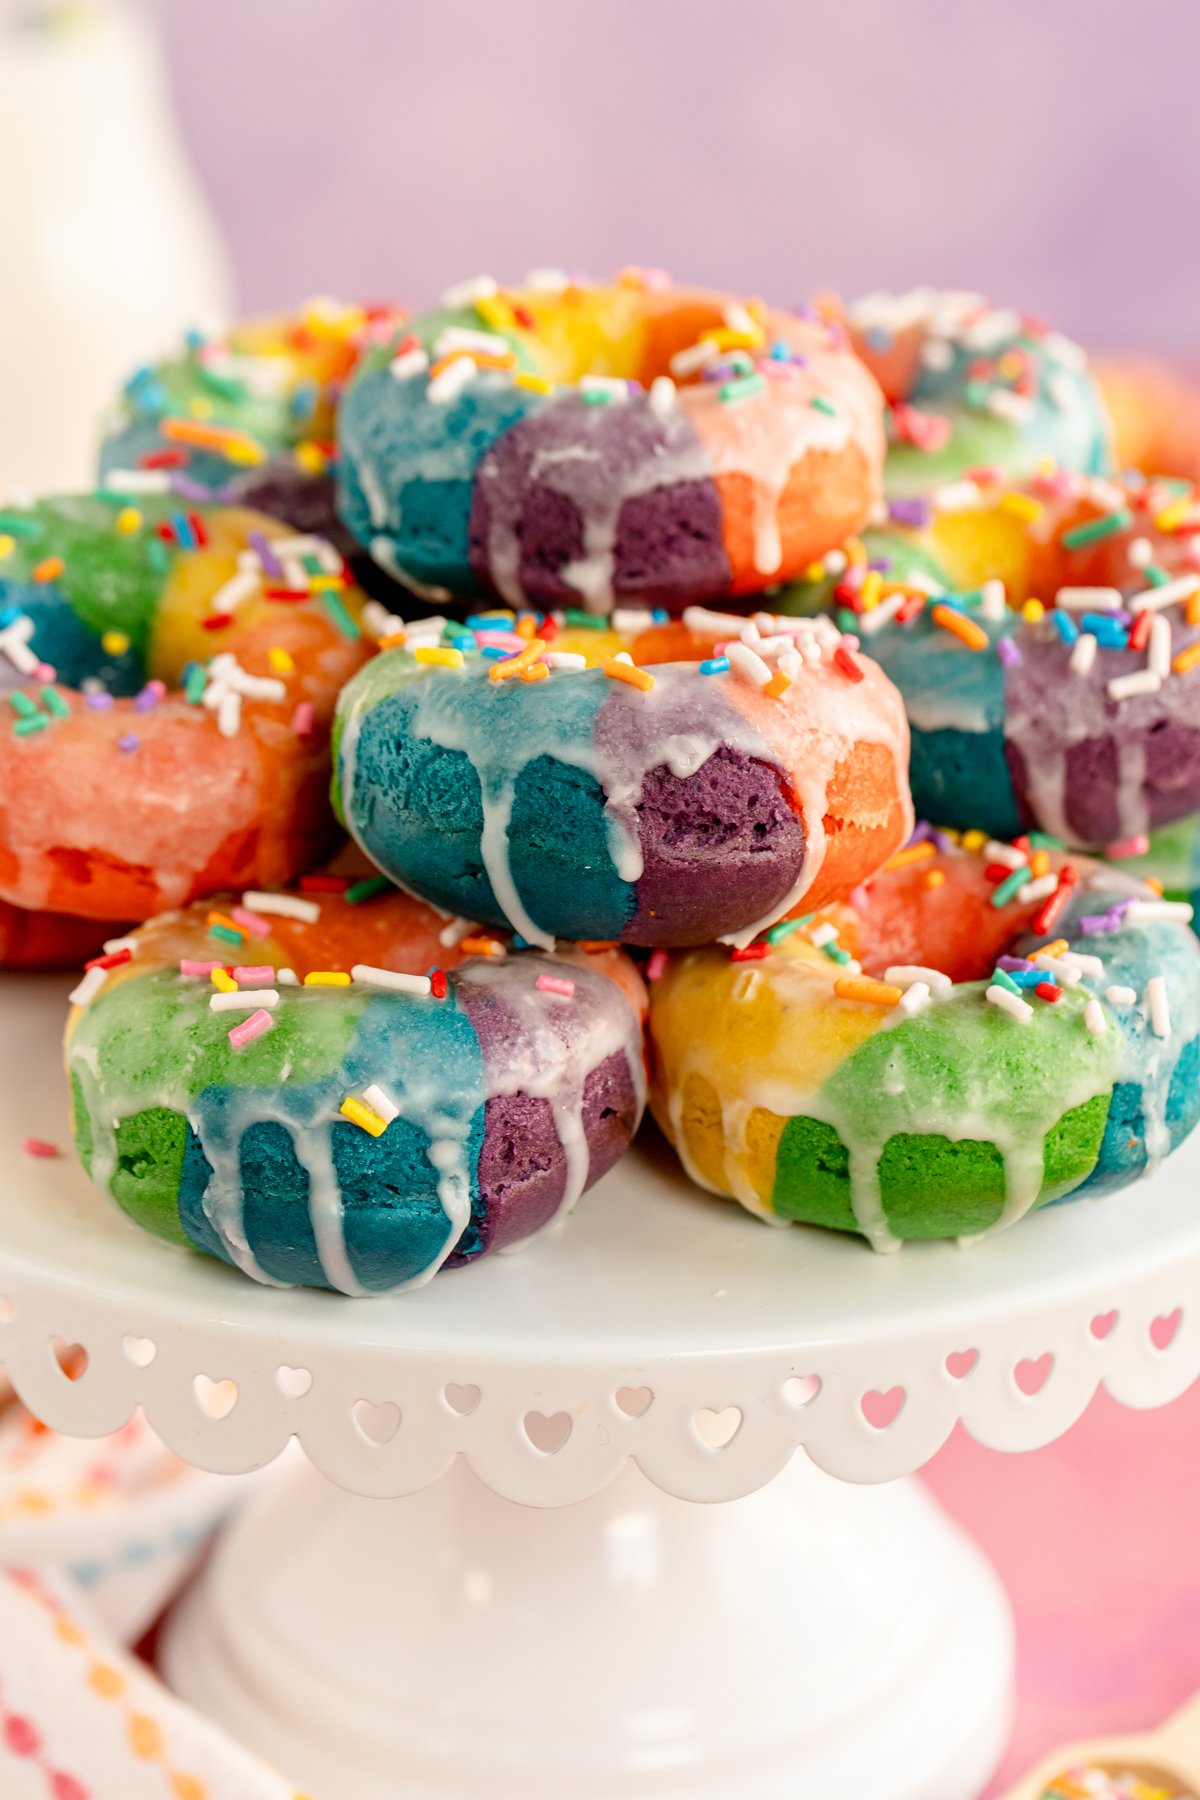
<point x="417" y="755"/>
<point x="183" y="387"/>
<point x="407" y="465"/>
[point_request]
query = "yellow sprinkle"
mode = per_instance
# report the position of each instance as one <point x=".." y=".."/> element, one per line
<point x="326" y="978"/>
<point x="630" y="674"/>
<point x="128" y="520"/>
<point x="914" y="853"/>
<point x="114" y="643"/>
<point x="935" y="878"/>
<point x="7" y="545"/>
<point x="495" y="311"/>
<point x="282" y="662"/>
<point x="1172" y="517"/>
<point x="537" y="384"/>
<point x="535" y="672"/>
<point x="861" y="987"/>
<point x="311" y="458"/>
<point x="200" y="407"/>
<point x="224" y="984"/>
<point x="359" y="1113"/>
<point x="1187" y="659"/>
<point x="815" y="572"/>
<point x="442" y="656"/>
<point x="870" y="590"/>
<point x="974" y="840"/>
<point x="778" y="685"/>
<point x="959" y="626"/>
<point x="512" y="665"/>
<point x="1022" y="506"/>
<point x="725" y="338"/>
<point x="1032" y="611"/>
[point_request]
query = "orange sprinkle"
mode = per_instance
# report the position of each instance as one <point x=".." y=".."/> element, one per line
<point x="914" y="853"/>
<point x="1192" y="612"/>
<point x="778" y="685"/>
<point x="512" y="665"/>
<point x="1187" y="659"/>
<point x="1054" y="949"/>
<point x="855" y="550"/>
<point x="393" y="640"/>
<point x="211" y="437"/>
<point x="861" y="987"/>
<point x="483" y="946"/>
<point x="1039" y="864"/>
<point x="631" y="674"/>
<point x="535" y="672"/>
<point x="483" y="359"/>
<point x="220" y="918"/>
<point x="49" y="569"/>
<point x="935" y="878"/>
<point x="595" y="946"/>
<point x="966" y="630"/>
<point x="526" y="626"/>
<point x="1153" y="881"/>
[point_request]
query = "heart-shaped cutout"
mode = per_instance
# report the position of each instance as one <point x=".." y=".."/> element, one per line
<point x="295" y="1383"/>
<point x="1103" y="1323"/>
<point x="379" y="1421"/>
<point x="72" y="1359"/>
<point x="718" y="1429"/>
<point x="801" y="1390"/>
<point x="1032" y="1373"/>
<point x="216" y="1399"/>
<point x="882" y="1410"/>
<point x="1163" y="1330"/>
<point x="461" y="1397"/>
<point x="634" y="1401"/>
<point x="141" y="1351"/>
<point x="547" y="1433"/>
<point x="959" y="1363"/>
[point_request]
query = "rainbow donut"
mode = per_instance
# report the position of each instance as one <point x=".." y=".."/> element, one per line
<point x="1045" y="641"/>
<point x="1155" y="410"/>
<point x="167" y="682"/>
<point x="970" y="385"/>
<point x="247" y="416"/>
<point x="913" y="1065"/>
<point x="324" y="1113"/>
<point x="549" y="782"/>
<point x="535" y="444"/>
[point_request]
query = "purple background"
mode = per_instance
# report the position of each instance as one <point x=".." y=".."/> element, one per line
<point x="1045" y="151"/>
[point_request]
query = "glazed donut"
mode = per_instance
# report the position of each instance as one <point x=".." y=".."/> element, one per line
<point x="38" y="940"/>
<point x="325" y="1114"/>
<point x="534" y="444"/>
<point x="246" y="417"/>
<point x="913" y="1066"/>
<point x="1043" y="640"/>
<point x="971" y="385"/>
<point x="754" y="771"/>
<point x="1155" y="410"/>
<point x="121" y="791"/>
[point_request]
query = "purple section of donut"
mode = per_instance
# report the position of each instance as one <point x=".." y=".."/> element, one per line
<point x="617" y="496"/>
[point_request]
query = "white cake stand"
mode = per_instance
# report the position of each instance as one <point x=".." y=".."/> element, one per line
<point x="420" y="1629"/>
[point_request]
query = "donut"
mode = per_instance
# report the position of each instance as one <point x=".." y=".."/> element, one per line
<point x="534" y="444"/>
<point x="1155" y="410"/>
<point x="168" y="681"/>
<point x="972" y="385"/>
<point x="279" y="1083"/>
<point x="1045" y="641"/>
<point x="983" y="1029"/>
<point x="247" y="416"/>
<point x="549" y="782"/>
<point x="38" y="940"/>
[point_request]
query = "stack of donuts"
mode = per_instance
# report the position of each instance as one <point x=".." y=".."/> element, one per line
<point x="603" y="621"/>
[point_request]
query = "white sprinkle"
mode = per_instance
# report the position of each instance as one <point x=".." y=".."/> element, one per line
<point x="287" y="978"/>
<point x="1144" y="912"/>
<point x="237" y="590"/>
<point x="138" y="481"/>
<point x="956" y="496"/>
<point x="1012" y="1004"/>
<point x="449" y="384"/>
<point x="1066" y="973"/>
<point x="1089" y="599"/>
<point x="1141" y="555"/>
<point x="1083" y="654"/>
<point x="282" y="906"/>
<point x="1061" y="390"/>
<point x="907" y="975"/>
<point x="409" y="363"/>
<point x="229" y="711"/>
<point x="996" y="852"/>
<point x="381" y="1103"/>
<point x="737" y="318"/>
<point x="390" y="979"/>
<point x="564" y="659"/>
<point x="1160" y="1012"/>
<point x="868" y="623"/>
<point x="936" y="353"/>
<point x="1039" y="889"/>
<point x="748" y="664"/>
<point x="245" y="1002"/>
<point x="1093" y="1018"/>
<point x="114" y="946"/>
<point x="458" y="337"/>
<point x="379" y="622"/>
<point x="466" y="293"/>
<point x="1087" y="965"/>
<point x="1128" y="687"/>
<point x="694" y="358"/>
<point x="1120" y="996"/>
<point x="663" y="398"/>
<point x="916" y="998"/>
<point x="823" y="934"/>
<point x="1064" y="350"/>
<point x="1158" y="652"/>
<point x="88" y="988"/>
<point x="993" y="601"/>
<point x="1169" y="594"/>
<point x="1014" y="409"/>
<point x="455" y="932"/>
<point x="15" y="642"/>
<point x="547" y="281"/>
<point x="835" y="562"/>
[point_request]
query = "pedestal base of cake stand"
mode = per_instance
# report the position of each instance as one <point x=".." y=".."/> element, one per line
<point x="813" y="1641"/>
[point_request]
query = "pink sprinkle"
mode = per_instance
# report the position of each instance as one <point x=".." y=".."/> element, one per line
<point x="39" y="1147"/>
<point x="303" y="719"/>
<point x="860" y="898"/>
<point x="250" y="1028"/>
<point x="46" y="672"/>
<point x="555" y="984"/>
<point x="252" y="922"/>
<point x="1132" y="846"/>
<point x="656" y="965"/>
<point x="499" y="640"/>
<point x="205" y="969"/>
<point x="258" y="975"/>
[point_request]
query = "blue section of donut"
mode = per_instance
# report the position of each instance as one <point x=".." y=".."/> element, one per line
<point x="65" y="643"/>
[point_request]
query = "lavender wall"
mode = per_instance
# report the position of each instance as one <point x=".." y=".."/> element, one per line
<point x="1046" y="151"/>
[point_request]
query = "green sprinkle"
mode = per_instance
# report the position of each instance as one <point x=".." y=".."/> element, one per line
<point x="584" y="621"/>
<point x="18" y="525"/>
<point x="37" y="722"/>
<point x="1041" y="840"/>
<point x="311" y="563"/>
<point x="335" y="607"/>
<point x="976" y="394"/>
<point x="195" y="684"/>
<point x="836" y="954"/>
<point x="742" y="387"/>
<point x="1155" y="576"/>
<point x="1012" y="884"/>
<point x="1095" y="529"/>
<point x="157" y="555"/>
<point x="846" y="619"/>
<point x="22" y="704"/>
<point x="227" y="386"/>
<point x="777" y="933"/>
<point x="54" y="703"/>
<point x="820" y="404"/>
<point x="1000" y="978"/>
<point x="595" y="396"/>
<point x="223" y="932"/>
<point x="366" y="890"/>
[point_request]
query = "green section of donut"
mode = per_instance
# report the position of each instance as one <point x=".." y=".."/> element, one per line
<point x="146" y="1180"/>
<point x="111" y="579"/>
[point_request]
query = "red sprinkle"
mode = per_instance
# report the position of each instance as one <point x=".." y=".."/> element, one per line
<point x="39" y="1147"/>
<point x="912" y="606"/>
<point x="324" y="884"/>
<point x="996" y="872"/>
<point x="166" y="532"/>
<point x="304" y="719"/>
<point x="163" y="459"/>
<point x="110" y="962"/>
<point x="851" y="669"/>
<point x="1047" y="990"/>
<point x="524" y="318"/>
<point x="198" y="527"/>
<point x="752" y="953"/>
<point x="286" y="594"/>
<point x="1022" y="844"/>
<point x="1139" y="631"/>
<point x="216" y="622"/>
<point x="437" y="984"/>
<point x="1043" y="919"/>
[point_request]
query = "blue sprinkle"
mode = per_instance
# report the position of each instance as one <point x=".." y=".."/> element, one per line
<point x="660" y="616"/>
<point x="181" y="525"/>
<point x="715" y="665"/>
<point x="493" y="653"/>
<point x="1065" y="626"/>
<point x="1106" y="630"/>
<point x="9" y="616"/>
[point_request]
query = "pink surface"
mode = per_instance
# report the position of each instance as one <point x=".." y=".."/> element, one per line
<point x="1096" y="1540"/>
